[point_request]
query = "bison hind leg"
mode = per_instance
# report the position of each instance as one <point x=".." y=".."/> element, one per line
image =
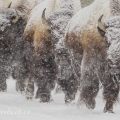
<point x="3" y="86"/>
<point x="110" y="93"/>
<point x="89" y="89"/>
<point x="87" y="96"/>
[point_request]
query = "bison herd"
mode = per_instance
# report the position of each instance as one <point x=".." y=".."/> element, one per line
<point x="56" y="41"/>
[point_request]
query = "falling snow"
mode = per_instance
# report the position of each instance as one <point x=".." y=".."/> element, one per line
<point x="14" y="105"/>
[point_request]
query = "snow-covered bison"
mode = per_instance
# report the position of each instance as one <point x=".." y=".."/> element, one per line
<point x="90" y="44"/>
<point x="59" y="20"/>
<point x="112" y="35"/>
<point x="41" y="37"/>
<point x="11" y="46"/>
<point x="24" y="6"/>
<point x="14" y="42"/>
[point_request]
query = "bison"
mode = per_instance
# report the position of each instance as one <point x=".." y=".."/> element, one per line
<point x="22" y="7"/>
<point x="40" y="46"/>
<point x="11" y="50"/>
<point x="65" y="76"/>
<point x="111" y="33"/>
<point x="89" y="43"/>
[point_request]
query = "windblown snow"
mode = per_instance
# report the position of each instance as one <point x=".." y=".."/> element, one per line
<point x="14" y="106"/>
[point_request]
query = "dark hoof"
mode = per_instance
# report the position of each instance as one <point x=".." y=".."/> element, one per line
<point x="80" y="103"/>
<point x="3" y="90"/>
<point x="3" y="87"/>
<point x="29" y="98"/>
<point x="22" y="91"/>
<point x="69" y="102"/>
<point x="58" y="90"/>
<point x="109" y="107"/>
<point x="51" y="100"/>
<point x="108" y="111"/>
<point x="36" y="97"/>
<point x="44" y="101"/>
<point x="91" y="104"/>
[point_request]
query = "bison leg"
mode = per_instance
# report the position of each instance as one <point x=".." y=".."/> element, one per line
<point x="3" y="85"/>
<point x="45" y="86"/>
<point x="88" y="90"/>
<point x="88" y="95"/>
<point x="110" y="84"/>
<point x="66" y="77"/>
<point x="110" y="92"/>
<point x="69" y="87"/>
<point x="58" y="89"/>
<point x="29" y="92"/>
<point x="4" y="70"/>
<point x="45" y="75"/>
<point x="19" y="73"/>
<point x="3" y="77"/>
<point x="44" y="96"/>
<point x="20" y="86"/>
<point x="89" y="83"/>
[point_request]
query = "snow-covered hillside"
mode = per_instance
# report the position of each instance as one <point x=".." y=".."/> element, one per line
<point x="13" y="102"/>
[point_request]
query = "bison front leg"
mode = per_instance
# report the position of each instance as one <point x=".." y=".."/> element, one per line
<point x="29" y="92"/>
<point x="3" y="77"/>
<point x="20" y="86"/>
<point x="110" y="92"/>
<point x="58" y="89"/>
<point x="3" y="85"/>
<point x="20" y="74"/>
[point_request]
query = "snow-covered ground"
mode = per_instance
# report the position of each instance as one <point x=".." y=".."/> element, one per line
<point x="12" y="102"/>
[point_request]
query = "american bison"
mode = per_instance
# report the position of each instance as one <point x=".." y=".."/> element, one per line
<point x="40" y="47"/>
<point x="11" y="51"/>
<point x="23" y="8"/>
<point x="65" y="76"/>
<point x="89" y="43"/>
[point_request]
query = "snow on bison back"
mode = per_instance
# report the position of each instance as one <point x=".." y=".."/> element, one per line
<point x="24" y="6"/>
<point x="40" y="46"/>
<point x="88" y="39"/>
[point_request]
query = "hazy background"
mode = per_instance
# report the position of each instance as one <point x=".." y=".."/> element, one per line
<point x="86" y="2"/>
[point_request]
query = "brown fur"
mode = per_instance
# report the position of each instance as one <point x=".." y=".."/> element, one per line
<point x="42" y="39"/>
<point x="41" y="44"/>
<point x="23" y="6"/>
<point x="91" y="47"/>
<point x="40" y="60"/>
